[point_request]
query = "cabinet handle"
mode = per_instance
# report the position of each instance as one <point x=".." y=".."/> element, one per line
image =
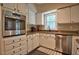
<point x="13" y="51"/>
<point x="19" y="39"/>
<point x="20" y="44"/>
<point x="20" y="49"/>
<point x="13" y="47"/>
<point x="14" y="8"/>
<point x="13" y="41"/>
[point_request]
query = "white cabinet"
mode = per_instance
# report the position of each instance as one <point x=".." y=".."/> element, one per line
<point x="32" y="17"/>
<point x="75" y="14"/>
<point x="75" y="45"/>
<point x="47" y="40"/>
<point x="29" y="37"/>
<point x="42" y="39"/>
<point x="10" y="5"/>
<point x="63" y="15"/>
<point x="22" y="8"/>
<point x="19" y="7"/>
<point x="39" y="20"/>
<point x="35" y="41"/>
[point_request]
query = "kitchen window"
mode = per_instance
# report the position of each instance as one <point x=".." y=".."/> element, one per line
<point x="50" y="21"/>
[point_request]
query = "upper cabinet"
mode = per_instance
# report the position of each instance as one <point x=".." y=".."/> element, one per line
<point x="32" y="14"/>
<point x="39" y="19"/>
<point x="12" y="6"/>
<point x="63" y="15"/>
<point x="19" y="7"/>
<point x="22" y="8"/>
<point x="32" y="17"/>
<point x="75" y="14"/>
<point x="68" y="15"/>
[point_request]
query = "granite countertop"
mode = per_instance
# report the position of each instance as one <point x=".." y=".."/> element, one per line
<point x="56" y="32"/>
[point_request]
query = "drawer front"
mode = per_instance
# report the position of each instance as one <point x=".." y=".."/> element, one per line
<point x="9" y="41"/>
<point x="12" y="52"/>
<point x="23" y="52"/>
<point x="9" y="47"/>
<point x="23" y="43"/>
<point x="12" y="46"/>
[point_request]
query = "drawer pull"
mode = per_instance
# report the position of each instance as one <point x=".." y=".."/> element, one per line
<point x="19" y="39"/>
<point x="13" y="41"/>
<point x="13" y="51"/>
<point x="13" y="46"/>
<point x="20" y="44"/>
<point x="20" y="49"/>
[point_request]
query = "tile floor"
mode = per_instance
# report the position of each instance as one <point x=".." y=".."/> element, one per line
<point x="44" y="51"/>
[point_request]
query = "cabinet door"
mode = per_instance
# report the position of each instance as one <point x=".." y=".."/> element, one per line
<point x="30" y="44"/>
<point x="35" y="42"/>
<point x="75" y="14"/>
<point x="63" y="15"/>
<point x="22" y="8"/>
<point x="52" y="38"/>
<point x="31" y="17"/>
<point x="39" y="20"/>
<point x="10" y="5"/>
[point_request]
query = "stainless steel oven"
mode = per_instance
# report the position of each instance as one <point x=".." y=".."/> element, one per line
<point x="13" y="23"/>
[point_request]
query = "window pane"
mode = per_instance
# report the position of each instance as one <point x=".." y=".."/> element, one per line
<point x="50" y="21"/>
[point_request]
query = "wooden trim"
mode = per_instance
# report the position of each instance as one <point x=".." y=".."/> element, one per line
<point x="68" y="6"/>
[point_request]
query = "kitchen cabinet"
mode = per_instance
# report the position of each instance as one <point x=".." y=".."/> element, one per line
<point x="47" y="40"/>
<point x="75" y="14"/>
<point x="33" y="41"/>
<point x="32" y="17"/>
<point x="36" y="41"/>
<point x="22" y="8"/>
<point x="12" y="6"/>
<point x="39" y="20"/>
<point x="75" y="45"/>
<point x="63" y="15"/>
<point x="29" y="37"/>
<point x="15" y="45"/>
<point x="19" y="7"/>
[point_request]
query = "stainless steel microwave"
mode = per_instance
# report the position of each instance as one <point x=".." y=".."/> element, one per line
<point x="13" y="23"/>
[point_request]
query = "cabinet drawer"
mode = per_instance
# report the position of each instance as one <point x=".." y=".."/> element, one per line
<point x="12" y="52"/>
<point x="23" y="52"/>
<point x="12" y="46"/>
<point x="23" y="48"/>
<point x="9" y="41"/>
<point x="9" y="47"/>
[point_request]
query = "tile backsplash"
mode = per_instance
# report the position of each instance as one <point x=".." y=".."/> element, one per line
<point x="73" y="26"/>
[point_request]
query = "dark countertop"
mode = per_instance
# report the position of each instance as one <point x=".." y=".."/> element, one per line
<point x="56" y="32"/>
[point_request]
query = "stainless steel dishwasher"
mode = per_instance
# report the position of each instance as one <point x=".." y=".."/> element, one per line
<point x="64" y="44"/>
<point x="67" y="44"/>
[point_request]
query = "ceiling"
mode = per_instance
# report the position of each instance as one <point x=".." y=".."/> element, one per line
<point x="42" y="7"/>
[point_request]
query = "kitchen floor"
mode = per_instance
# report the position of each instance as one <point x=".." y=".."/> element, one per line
<point x="44" y="51"/>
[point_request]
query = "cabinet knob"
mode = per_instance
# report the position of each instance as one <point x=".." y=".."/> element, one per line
<point x="20" y="49"/>
<point x="14" y="8"/>
<point x="13" y="47"/>
<point x="19" y="39"/>
<point x="20" y="44"/>
<point x="13" y="41"/>
<point x="13" y="51"/>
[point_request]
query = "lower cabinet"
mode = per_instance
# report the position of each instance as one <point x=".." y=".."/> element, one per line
<point x="75" y="45"/>
<point x="33" y="41"/>
<point x="47" y="40"/>
<point x="15" y="45"/>
<point x="29" y="38"/>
